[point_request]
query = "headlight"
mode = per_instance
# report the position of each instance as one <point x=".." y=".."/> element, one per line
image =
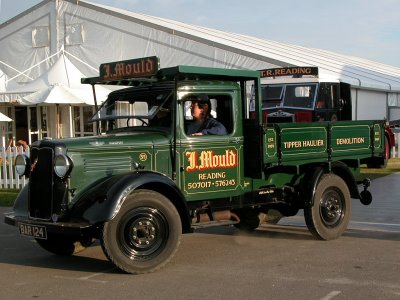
<point x="22" y="164"/>
<point x="62" y="165"/>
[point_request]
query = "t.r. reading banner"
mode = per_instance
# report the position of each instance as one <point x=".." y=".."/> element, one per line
<point x="290" y="71"/>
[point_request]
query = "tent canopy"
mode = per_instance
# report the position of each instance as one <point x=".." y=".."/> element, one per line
<point x="60" y="94"/>
<point x="61" y="72"/>
<point x="59" y="85"/>
<point x="4" y="118"/>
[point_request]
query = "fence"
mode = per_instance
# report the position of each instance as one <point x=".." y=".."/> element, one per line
<point x="8" y="178"/>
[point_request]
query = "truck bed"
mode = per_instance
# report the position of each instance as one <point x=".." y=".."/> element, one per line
<point x="299" y="143"/>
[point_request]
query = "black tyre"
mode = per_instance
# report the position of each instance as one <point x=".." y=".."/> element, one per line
<point x="328" y="218"/>
<point x="145" y="233"/>
<point x="61" y="245"/>
<point x="249" y="219"/>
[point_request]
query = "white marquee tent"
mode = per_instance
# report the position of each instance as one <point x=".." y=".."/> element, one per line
<point x="4" y="118"/>
<point x="59" y="85"/>
<point x="97" y="33"/>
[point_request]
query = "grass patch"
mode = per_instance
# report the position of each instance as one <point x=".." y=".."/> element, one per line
<point x="7" y="197"/>
<point x="377" y="173"/>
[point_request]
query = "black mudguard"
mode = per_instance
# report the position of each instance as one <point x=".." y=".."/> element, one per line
<point x="312" y="178"/>
<point x="102" y="200"/>
<point x="21" y="208"/>
<point x="308" y="188"/>
<point x="342" y="170"/>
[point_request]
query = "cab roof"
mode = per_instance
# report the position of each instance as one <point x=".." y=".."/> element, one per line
<point x="181" y="73"/>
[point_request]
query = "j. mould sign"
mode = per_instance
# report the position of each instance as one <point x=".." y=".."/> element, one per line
<point x="134" y="68"/>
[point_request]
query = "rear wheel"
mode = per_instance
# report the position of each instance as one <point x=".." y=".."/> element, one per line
<point x="145" y="233"/>
<point x="328" y="218"/>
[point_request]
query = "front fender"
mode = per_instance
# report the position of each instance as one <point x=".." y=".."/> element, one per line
<point x="21" y="208"/>
<point x="102" y="201"/>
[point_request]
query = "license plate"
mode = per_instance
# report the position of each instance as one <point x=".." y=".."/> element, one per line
<point x="36" y="231"/>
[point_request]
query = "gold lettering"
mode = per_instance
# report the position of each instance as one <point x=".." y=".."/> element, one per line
<point x="313" y="143"/>
<point x="206" y="176"/>
<point x="208" y="160"/>
<point x="192" y="161"/>
<point x="286" y="71"/>
<point x="350" y="141"/>
<point x="300" y="144"/>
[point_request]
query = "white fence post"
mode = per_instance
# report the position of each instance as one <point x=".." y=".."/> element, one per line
<point x="8" y="178"/>
<point x="398" y="144"/>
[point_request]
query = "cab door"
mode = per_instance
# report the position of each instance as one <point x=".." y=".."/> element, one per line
<point x="211" y="166"/>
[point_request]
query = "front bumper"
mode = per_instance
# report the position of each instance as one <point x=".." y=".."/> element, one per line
<point x="65" y="228"/>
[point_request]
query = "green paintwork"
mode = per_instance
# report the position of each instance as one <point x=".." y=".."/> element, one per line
<point x="104" y="156"/>
<point x="302" y="143"/>
<point x="209" y="167"/>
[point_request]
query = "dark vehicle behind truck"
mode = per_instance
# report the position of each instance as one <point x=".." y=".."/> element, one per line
<point x="297" y="94"/>
<point x="142" y="182"/>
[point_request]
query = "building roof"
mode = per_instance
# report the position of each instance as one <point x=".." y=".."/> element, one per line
<point x="356" y="71"/>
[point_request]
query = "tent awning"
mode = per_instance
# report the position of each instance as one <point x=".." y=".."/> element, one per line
<point x="61" y="84"/>
<point x="60" y="94"/>
<point x="4" y="118"/>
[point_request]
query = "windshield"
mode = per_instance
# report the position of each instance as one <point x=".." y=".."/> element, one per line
<point x="132" y="108"/>
<point x="290" y="95"/>
<point x="272" y="95"/>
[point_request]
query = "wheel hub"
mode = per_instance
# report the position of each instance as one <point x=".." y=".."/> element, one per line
<point x="143" y="232"/>
<point x="331" y="209"/>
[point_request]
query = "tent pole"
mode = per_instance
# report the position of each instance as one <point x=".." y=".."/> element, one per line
<point x="58" y="120"/>
<point x="96" y="107"/>
<point x="71" y="133"/>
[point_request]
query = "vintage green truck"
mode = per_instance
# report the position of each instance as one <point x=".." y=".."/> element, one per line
<point x="143" y="181"/>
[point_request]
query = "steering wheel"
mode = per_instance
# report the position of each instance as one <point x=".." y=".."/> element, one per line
<point x="140" y="119"/>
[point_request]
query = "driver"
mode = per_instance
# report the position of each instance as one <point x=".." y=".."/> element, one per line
<point x="203" y="123"/>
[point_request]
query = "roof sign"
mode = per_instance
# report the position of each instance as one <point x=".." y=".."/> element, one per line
<point x="290" y="71"/>
<point x="133" y="68"/>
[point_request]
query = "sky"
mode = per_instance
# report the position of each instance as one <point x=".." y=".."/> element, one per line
<point x="366" y="29"/>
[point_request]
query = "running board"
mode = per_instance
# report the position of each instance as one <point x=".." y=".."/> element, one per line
<point x="213" y="224"/>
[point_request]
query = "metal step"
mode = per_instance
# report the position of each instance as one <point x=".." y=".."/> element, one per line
<point x="213" y="224"/>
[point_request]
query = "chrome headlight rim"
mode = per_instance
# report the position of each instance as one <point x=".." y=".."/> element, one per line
<point x="22" y="164"/>
<point x="62" y="165"/>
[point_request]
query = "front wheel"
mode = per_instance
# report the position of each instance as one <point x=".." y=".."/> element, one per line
<point x="328" y="218"/>
<point x="145" y="233"/>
